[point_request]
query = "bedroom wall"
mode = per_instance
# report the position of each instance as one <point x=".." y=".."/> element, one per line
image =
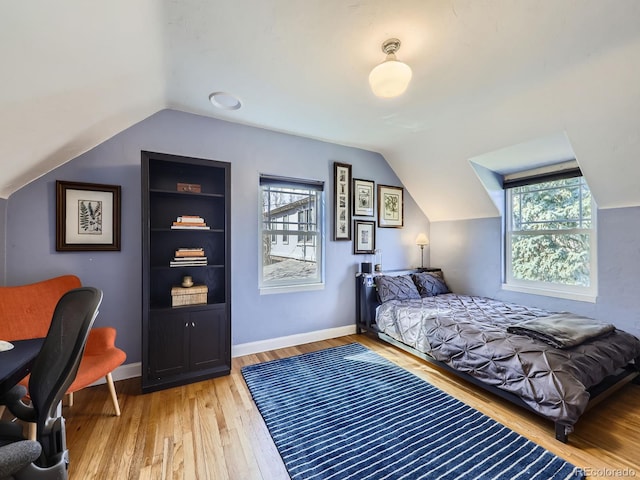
<point x="3" y="223"/>
<point x="30" y="246"/>
<point x="469" y="253"/>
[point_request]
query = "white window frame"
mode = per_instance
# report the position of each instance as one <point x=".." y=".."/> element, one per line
<point x="571" y="292"/>
<point x="283" y="229"/>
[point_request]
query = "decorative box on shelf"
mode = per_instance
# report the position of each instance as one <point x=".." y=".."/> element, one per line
<point x="195" y="295"/>
<point x="189" y="187"/>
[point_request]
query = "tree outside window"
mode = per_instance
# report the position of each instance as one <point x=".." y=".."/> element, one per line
<point x="550" y="235"/>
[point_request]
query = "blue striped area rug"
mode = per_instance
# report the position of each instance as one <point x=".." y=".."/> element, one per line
<point x="348" y="413"/>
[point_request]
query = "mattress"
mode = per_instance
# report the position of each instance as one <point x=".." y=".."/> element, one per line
<point x="469" y="334"/>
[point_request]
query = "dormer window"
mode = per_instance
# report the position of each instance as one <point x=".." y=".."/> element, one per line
<point x="550" y="236"/>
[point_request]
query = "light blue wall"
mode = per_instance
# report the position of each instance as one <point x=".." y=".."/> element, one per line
<point x="30" y="247"/>
<point x="469" y="253"/>
<point x="3" y="223"/>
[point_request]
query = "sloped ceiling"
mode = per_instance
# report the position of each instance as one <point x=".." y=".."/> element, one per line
<point x="487" y="74"/>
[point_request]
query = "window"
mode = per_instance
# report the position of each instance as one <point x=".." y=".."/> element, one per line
<point x="291" y="207"/>
<point x="550" y="238"/>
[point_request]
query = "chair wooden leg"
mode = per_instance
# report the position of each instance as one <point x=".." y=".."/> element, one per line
<point x="112" y="390"/>
<point x="32" y="431"/>
<point x="70" y="399"/>
<point x="1" y="410"/>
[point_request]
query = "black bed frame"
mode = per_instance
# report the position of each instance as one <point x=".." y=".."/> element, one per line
<point x="367" y="302"/>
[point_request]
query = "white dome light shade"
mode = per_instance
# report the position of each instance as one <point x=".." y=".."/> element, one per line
<point x="391" y="78"/>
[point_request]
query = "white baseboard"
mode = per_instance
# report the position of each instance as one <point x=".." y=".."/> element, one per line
<point x="290" y="341"/>
<point x="132" y="370"/>
<point x="129" y="370"/>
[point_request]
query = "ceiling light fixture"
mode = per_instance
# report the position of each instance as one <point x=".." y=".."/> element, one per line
<point x="391" y="77"/>
<point x="225" y="101"/>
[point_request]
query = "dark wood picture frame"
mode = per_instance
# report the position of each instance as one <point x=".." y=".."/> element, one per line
<point x="87" y="217"/>
<point x="364" y="236"/>
<point x="342" y="201"/>
<point x="390" y="206"/>
<point x="364" y="198"/>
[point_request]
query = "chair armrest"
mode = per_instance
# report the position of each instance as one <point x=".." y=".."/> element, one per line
<point x="15" y="456"/>
<point x="100" y="340"/>
<point x="23" y="411"/>
<point x="15" y="394"/>
<point x="13" y="399"/>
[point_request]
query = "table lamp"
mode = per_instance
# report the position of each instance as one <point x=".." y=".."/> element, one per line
<point x="421" y="241"/>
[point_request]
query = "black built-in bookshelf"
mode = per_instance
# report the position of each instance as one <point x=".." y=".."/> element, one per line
<point x="184" y="344"/>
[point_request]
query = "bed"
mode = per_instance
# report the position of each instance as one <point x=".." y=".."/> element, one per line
<point x="555" y="364"/>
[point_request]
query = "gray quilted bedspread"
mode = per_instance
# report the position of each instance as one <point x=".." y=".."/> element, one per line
<point x="470" y="335"/>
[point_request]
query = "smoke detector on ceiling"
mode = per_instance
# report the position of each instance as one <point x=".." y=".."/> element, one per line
<point x="225" y="101"/>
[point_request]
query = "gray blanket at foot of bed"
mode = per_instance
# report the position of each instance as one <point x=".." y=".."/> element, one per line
<point x="562" y="330"/>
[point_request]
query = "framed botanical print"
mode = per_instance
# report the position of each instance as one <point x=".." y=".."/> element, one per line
<point x="364" y="237"/>
<point x="342" y="201"/>
<point x="390" y="206"/>
<point x="363" y="197"/>
<point x="87" y="217"/>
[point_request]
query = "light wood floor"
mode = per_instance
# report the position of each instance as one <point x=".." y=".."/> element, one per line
<point x="212" y="429"/>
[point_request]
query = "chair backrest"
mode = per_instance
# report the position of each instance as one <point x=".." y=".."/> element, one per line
<point x="57" y="363"/>
<point x="26" y="310"/>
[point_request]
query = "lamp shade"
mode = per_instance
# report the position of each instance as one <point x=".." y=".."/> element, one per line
<point x="390" y="78"/>
<point x="422" y="240"/>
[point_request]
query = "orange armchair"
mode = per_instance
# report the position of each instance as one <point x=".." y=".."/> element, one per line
<point x="100" y="358"/>
<point x="26" y="312"/>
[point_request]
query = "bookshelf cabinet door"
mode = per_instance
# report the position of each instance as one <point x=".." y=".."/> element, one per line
<point x="168" y="345"/>
<point x="208" y="338"/>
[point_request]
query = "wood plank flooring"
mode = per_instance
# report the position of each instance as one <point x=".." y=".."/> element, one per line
<point x="212" y="429"/>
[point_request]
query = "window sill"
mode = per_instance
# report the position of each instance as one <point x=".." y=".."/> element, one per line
<point x="580" y="297"/>
<point x="291" y="288"/>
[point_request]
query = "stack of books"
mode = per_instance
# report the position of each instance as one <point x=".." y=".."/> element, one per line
<point x="189" y="257"/>
<point x="190" y="222"/>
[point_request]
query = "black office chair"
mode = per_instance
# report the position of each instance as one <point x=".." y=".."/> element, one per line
<point x="53" y="371"/>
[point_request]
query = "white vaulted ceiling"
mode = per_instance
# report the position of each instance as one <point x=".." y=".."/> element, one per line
<point x="487" y="74"/>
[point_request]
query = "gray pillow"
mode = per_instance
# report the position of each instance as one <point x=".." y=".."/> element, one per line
<point x="430" y="284"/>
<point x="396" y="288"/>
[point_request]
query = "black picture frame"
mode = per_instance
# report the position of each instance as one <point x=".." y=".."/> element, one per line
<point x="364" y="237"/>
<point x="390" y="206"/>
<point x="342" y="201"/>
<point x="364" y="198"/>
<point x="87" y="217"/>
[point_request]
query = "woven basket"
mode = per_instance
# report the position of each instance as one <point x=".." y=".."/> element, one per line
<point x="195" y="295"/>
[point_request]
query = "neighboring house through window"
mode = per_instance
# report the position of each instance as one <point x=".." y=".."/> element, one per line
<point x="291" y="207"/>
